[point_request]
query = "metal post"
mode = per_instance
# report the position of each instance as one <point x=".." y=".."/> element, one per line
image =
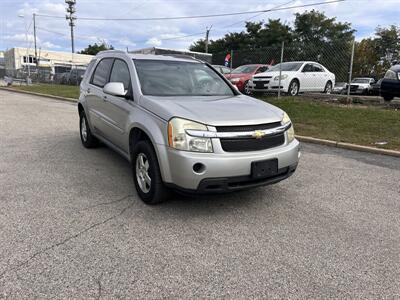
<point x="206" y="40"/>
<point x="350" y="72"/>
<point x="280" y="70"/>
<point x="231" y="60"/>
<point x="34" y="38"/>
<point x="70" y="16"/>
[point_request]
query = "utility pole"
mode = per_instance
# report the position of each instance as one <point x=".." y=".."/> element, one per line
<point x="70" y="16"/>
<point x="34" y="38"/>
<point x="207" y="34"/>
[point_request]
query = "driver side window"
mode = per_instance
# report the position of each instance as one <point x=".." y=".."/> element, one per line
<point x="120" y="73"/>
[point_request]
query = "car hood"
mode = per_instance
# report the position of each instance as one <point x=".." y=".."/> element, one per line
<point x="273" y="73"/>
<point x="230" y="76"/>
<point x="214" y="110"/>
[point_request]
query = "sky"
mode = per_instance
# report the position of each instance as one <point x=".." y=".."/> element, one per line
<point x="54" y="34"/>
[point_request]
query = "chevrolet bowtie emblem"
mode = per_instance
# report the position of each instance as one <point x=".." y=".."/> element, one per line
<point x="258" y="134"/>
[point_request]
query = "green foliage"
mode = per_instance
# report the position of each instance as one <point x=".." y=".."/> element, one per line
<point x="96" y="48"/>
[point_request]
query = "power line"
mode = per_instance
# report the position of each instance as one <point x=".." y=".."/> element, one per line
<point x="198" y="16"/>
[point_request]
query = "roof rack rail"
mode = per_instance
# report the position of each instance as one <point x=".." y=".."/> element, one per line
<point x="111" y="51"/>
<point x="181" y="56"/>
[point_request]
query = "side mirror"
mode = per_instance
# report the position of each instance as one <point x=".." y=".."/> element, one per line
<point x="115" y="89"/>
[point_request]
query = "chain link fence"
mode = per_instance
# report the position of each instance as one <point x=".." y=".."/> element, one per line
<point x="336" y="57"/>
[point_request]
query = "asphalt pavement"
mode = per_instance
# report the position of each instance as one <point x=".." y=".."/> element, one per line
<point x="73" y="227"/>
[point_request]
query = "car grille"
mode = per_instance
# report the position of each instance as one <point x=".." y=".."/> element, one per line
<point x="251" y="144"/>
<point x="247" y="127"/>
<point x="353" y="87"/>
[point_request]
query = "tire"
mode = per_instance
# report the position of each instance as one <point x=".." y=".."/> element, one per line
<point x="387" y="97"/>
<point x="294" y="88"/>
<point x="246" y="88"/>
<point x="147" y="175"/>
<point x="87" y="138"/>
<point x="328" y="88"/>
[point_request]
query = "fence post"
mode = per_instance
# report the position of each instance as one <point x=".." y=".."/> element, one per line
<point x="350" y="71"/>
<point x="280" y="70"/>
<point x="231" y="60"/>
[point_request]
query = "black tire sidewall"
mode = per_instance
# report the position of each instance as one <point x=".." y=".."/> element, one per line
<point x="91" y="141"/>
<point x="290" y="87"/>
<point x="157" y="192"/>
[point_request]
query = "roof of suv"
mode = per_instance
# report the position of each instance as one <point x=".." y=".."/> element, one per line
<point x="115" y="53"/>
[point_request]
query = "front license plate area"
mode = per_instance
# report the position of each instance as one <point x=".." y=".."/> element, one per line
<point x="264" y="168"/>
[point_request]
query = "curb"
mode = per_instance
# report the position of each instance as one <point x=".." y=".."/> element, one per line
<point x="40" y="94"/>
<point x="307" y="139"/>
<point x="348" y="146"/>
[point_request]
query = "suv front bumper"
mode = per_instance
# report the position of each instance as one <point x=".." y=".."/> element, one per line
<point x="224" y="171"/>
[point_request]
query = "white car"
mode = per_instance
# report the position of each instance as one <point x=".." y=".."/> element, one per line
<point x="297" y="76"/>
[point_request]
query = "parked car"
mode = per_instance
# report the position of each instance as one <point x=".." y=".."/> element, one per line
<point x="340" y="88"/>
<point x="181" y="125"/>
<point x="75" y="76"/>
<point x="376" y="88"/>
<point x="390" y="85"/>
<point x="297" y="76"/>
<point x="361" y="85"/>
<point x="241" y="76"/>
<point x="64" y="78"/>
<point x="222" y="69"/>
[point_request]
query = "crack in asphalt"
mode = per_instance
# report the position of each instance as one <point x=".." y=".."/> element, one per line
<point x="99" y="287"/>
<point x="106" y="203"/>
<point x="24" y="263"/>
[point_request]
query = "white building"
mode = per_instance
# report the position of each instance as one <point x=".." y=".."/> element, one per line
<point x="20" y="59"/>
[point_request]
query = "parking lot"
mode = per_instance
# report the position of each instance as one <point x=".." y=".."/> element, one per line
<point x="72" y="225"/>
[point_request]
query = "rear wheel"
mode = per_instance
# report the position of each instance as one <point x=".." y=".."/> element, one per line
<point x="87" y="138"/>
<point x="328" y="88"/>
<point x="147" y="175"/>
<point x="294" y="88"/>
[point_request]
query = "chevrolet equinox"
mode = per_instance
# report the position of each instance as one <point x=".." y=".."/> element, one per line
<point x="183" y="126"/>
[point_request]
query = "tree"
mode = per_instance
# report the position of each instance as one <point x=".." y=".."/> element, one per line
<point x="388" y="42"/>
<point x="96" y="48"/>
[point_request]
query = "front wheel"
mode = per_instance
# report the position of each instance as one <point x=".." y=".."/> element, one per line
<point x="294" y="88"/>
<point x="246" y="89"/>
<point x="146" y="174"/>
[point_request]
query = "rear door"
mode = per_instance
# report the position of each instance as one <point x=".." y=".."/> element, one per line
<point x="95" y="97"/>
<point x="321" y="77"/>
<point x="307" y="78"/>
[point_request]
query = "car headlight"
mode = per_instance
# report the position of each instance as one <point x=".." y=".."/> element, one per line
<point x="290" y="131"/>
<point x="180" y="140"/>
<point x="283" y="77"/>
<point x="235" y="79"/>
<point x="398" y="75"/>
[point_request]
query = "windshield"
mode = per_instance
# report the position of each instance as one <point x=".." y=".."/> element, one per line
<point x="177" y="78"/>
<point x="245" y="69"/>
<point x="360" y="80"/>
<point x="288" y="66"/>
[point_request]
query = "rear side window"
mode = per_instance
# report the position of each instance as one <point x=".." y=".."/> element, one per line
<point x="120" y="73"/>
<point x="318" y="68"/>
<point x="100" y="75"/>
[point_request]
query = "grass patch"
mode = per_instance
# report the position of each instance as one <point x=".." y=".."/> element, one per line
<point x="51" y="89"/>
<point x="357" y="125"/>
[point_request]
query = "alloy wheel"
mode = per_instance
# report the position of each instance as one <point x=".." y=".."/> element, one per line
<point x="142" y="173"/>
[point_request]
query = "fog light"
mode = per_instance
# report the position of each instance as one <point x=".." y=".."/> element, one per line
<point x="199" y="168"/>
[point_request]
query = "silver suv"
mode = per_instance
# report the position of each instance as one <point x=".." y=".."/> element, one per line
<point x="183" y="126"/>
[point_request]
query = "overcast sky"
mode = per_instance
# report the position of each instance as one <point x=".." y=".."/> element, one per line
<point x="53" y="34"/>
